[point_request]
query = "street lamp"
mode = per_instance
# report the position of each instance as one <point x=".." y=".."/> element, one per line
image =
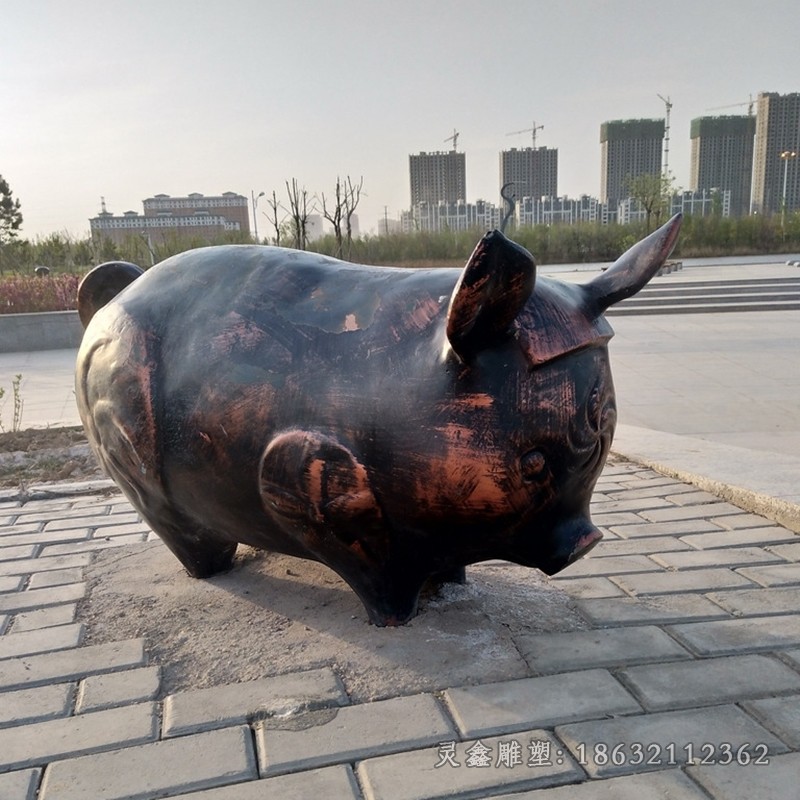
<point x="785" y="155"/>
<point x="254" y="197"/>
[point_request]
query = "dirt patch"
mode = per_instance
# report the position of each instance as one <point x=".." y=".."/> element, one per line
<point x="44" y="455"/>
<point x="273" y="614"/>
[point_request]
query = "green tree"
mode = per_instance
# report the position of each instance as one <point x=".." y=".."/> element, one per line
<point x="10" y="217"/>
<point x="652" y="192"/>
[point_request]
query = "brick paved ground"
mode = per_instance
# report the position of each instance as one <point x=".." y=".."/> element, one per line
<point x="686" y="684"/>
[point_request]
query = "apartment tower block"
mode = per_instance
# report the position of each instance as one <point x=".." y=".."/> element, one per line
<point x="533" y="171"/>
<point x="774" y="168"/>
<point x="438" y="177"/>
<point x="629" y="148"/>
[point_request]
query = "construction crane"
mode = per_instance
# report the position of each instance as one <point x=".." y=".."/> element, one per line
<point x="453" y="139"/>
<point x="529" y="130"/>
<point x="668" y="104"/>
<point x="749" y="105"/>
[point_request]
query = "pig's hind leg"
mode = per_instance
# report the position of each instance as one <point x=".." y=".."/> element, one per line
<point x="202" y="552"/>
<point x="129" y="454"/>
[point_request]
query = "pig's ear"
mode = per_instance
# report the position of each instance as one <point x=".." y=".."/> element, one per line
<point x="634" y="268"/>
<point x="493" y="288"/>
<point x="306" y="476"/>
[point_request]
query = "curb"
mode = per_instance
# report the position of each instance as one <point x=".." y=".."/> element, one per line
<point x="740" y="474"/>
<point x="780" y="511"/>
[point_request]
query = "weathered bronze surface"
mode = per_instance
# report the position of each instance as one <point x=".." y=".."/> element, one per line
<point x="394" y="424"/>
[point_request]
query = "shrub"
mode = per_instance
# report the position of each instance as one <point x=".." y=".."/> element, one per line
<point x="21" y="294"/>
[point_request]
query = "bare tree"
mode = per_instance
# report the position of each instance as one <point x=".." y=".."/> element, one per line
<point x="352" y="196"/>
<point x="299" y="212"/>
<point x="334" y="211"/>
<point x="276" y="219"/>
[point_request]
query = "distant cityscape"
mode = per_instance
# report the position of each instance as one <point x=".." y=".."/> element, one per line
<point x="740" y="165"/>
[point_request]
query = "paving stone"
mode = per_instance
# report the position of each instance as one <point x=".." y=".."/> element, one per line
<point x="656" y="609"/>
<point x="749" y="536"/>
<point x="706" y="511"/>
<point x="41" y="510"/>
<point x="90" y="545"/>
<point x="38" y="598"/>
<point x="68" y="664"/>
<point x="33" y="705"/>
<point x="19" y="551"/>
<point x="692" y="498"/>
<point x="791" y="552"/>
<point x="606" y="647"/>
<point x="742" y="521"/>
<point x="19" y="785"/>
<point x="758" y="602"/>
<point x="140" y="528"/>
<point x="777" y="781"/>
<point x="223" y="706"/>
<point x="62" y="511"/>
<point x="22" y="527"/>
<point x="152" y="770"/>
<point x="44" y="640"/>
<point x="41" y="742"/>
<point x="667" y="785"/>
<point x="623" y="503"/>
<point x="69" y="523"/>
<point x="740" y="635"/>
<point x="510" y="706"/>
<point x="792" y="657"/>
<point x="664" y="738"/>
<point x="640" y="546"/>
<point x="27" y="566"/>
<point x="678" y="528"/>
<point x="709" y="681"/>
<point x="778" y="575"/>
<point x="113" y="502"/>
<point x="414" y="775"/>
<point x="48" y="617"/>
<point x="643" y="481"/>
<point x="4" y="618"/>
<point x="55" y="577"/>
<point x="118" y="688"/>
<point x="780" y="714"/>
<point x="601" y="487"/>
<point x="11" y="583"/>
<point x="588" y="587"/>
<point x="615" y="518"/>
<point x="337" y="783"/>
<point x="350" y="733"/>
<point x="696" y="580"/>
<point x="650" y="491"/>
<point x="592" y="566"/>
<point x="728" y="557"/>
<point x="45" y="537"/>
<point x="114" y="521"/>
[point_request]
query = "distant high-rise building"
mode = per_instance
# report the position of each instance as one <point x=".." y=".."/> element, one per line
<point x="438" y="177"/>
<point x="722" y="158"/>
<point x="533" y="171"/>
<point x="777" y="132"/>
<point x="629" y="148"/>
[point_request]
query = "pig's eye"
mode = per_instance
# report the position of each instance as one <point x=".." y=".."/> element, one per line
<point x="532" y="465"/>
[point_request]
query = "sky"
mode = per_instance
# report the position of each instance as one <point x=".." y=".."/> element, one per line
<point x="126" y="100"/>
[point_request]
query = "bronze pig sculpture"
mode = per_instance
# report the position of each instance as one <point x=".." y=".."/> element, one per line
<point x="393" y="424"/>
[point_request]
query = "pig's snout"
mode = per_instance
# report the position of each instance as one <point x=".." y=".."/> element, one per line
<point x="572" y="539"/>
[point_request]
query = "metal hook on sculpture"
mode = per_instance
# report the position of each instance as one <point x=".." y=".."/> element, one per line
<point x="510" y="204"/>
